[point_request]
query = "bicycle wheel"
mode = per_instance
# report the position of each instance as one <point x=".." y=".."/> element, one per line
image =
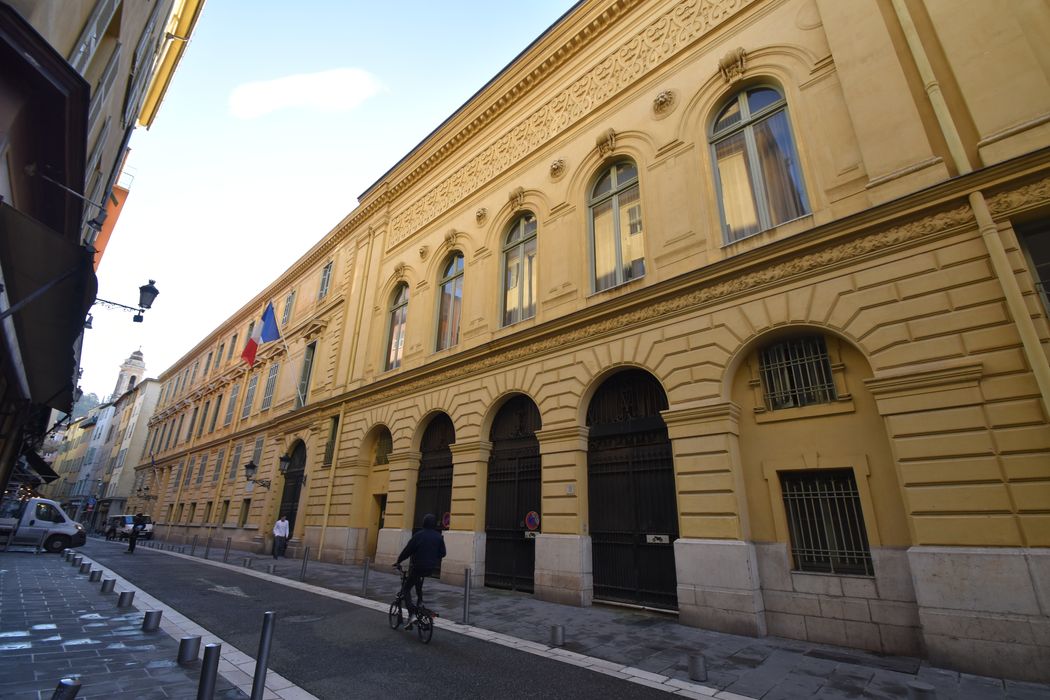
<point x="395" y="616"/>
<point x="425" y="626"/>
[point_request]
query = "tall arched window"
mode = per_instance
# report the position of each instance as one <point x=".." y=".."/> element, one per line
<point x="450" y="301"/>
<point x="519" y="270"/>
<point x="759" y="179"/>
<point x="398" y="316"/>
<point x="616" y="226"/>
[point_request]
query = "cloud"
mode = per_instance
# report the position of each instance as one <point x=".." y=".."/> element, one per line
<point x="337" y="90"/>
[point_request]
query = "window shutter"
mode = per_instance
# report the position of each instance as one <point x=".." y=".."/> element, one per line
<point x="84" y="49"/>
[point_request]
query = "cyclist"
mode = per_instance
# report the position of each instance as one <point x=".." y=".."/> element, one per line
<point x="426" y="550"/>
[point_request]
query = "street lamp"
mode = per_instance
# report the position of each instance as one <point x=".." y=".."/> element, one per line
<point x="250" y="470"/>
<point x="147" y="294"/>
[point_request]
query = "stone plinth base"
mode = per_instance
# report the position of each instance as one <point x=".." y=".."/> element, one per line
<point x="985" y="610"/>
<point x="391" y="542"/>
<point x="718" y="586"/>
<point x="563" y="569"/>
<point x="342" y="545"/>
<point x="466" y="550"/>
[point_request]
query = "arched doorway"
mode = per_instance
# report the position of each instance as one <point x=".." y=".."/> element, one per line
<point x="513" y="492"/>
<point x="631" y="490"/>
<point x="293" y="485"/>
<point x="434" y="485"/>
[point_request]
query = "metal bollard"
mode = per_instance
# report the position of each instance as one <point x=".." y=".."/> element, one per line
<point x="125" y="599"/>
<point x="85" y="568"/>
<point x="697" y="667"/>
<point x="209" y="672"/>
<point x="77" y="560"/>
<point x="151" y="620"/>
<point x="108" y="584"/>
<point x="40" y="542"/>
<point x="226" y="554"/>
<point x="193" y="547"/>
<point x="917" y="690"/>
<point x="466" y="596"/>
<point x="66" y="689"/>
<point x="207" y="551"/>
<point x="189" y="647"/>
<point x="306" y="558"/>
<point x="557" y="635"/>
<point x="263" y="657"/>
<point x="364" y="578"/>
<point x="67" y="554"/>
<point x="270" y="568"/>
<point x="95" y="576"/>
<point x="247" y="563"/>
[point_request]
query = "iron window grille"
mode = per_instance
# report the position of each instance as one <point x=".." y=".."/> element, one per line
<point x="797" y="372"/>
<point x="825" y="522"/>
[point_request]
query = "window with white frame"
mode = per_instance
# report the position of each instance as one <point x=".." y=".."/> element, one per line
<point x="304" y="377"/>
<point x="289" y="304"/>
<point x="450" y="301"/>
<point x="271" y="382"/>
<point x="519" y="270"/>
<point x="617" y="236"/>
<point x="757" y="170"/>
<point x="396" y="335"/>
<point x="249" y="396"/>
<point x="825" y="522"/>
<point x="326" y="279"/>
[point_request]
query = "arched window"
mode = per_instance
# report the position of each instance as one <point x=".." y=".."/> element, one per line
<point x="519" y="270"/>
<point x="450" y="301"/>
<point x="759" y="179"/>
<point x="398" y="316"/>
<point x="616" y="226"/>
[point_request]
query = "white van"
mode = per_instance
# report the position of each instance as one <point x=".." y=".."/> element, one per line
<point x="122" y="524"/>
<point x="39" y="520"/>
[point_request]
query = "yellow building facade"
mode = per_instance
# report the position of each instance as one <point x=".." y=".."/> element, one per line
<point x="723" y="307"/>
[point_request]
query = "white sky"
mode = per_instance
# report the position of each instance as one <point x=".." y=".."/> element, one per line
<point x="279" y="116"/>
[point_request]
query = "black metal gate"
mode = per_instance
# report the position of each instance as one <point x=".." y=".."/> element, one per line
<point x="631" y="489"/>
<point x="434" y="485"/>
<point x="513" y="492"/>
<point x="293" y="485"/>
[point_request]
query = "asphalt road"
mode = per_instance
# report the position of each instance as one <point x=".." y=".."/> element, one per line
<point x="337" y="650"/>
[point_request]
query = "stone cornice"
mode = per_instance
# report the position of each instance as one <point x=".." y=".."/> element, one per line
<point x="656" y="42"/>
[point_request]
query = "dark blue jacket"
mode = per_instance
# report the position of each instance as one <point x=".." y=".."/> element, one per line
<point x="427" y="546"/>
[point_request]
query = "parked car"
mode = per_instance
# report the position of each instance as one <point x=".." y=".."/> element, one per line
<point x="123" y="525"/>
<point x="39" y="521"/>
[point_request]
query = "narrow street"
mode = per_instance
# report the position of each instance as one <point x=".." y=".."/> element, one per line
<point x="338" y="650"/>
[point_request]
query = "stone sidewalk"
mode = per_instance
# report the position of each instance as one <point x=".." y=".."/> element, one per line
<point x="645" y="645"/>
<point x="55" y="624"/>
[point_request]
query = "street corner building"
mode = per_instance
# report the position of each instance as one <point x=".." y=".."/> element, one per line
<point x="730" y="308"/>
<point x="76" y="78"/>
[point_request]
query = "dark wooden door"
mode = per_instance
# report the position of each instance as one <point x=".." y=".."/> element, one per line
<point x="513" y="492"/>
<point x="293" y="485"/>
<point x="434" y="485"/>
<point x="631" y="490"/>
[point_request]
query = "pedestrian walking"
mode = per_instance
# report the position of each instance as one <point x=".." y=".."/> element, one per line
<point x="138" y="524"/>
<point x="280" y="536"/>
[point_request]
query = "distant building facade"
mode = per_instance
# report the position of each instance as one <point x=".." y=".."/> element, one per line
<point x="735" y="309"/>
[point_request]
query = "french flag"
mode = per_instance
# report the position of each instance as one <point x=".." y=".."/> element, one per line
<point x="265" y="331"/>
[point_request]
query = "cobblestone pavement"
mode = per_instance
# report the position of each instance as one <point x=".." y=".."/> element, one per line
<point x="630" y="641"/>
<point x="55" y="624"/>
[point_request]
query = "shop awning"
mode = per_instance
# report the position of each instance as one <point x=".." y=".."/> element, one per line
<point x="55" y="279"/>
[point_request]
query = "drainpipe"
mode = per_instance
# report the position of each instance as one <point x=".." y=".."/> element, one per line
<point x="1015" y="304"/>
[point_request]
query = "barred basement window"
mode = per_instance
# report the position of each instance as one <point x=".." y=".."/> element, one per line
<point x="825" y="522"/>
<point x="797" y="372"/>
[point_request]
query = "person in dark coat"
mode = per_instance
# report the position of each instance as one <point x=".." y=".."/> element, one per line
<point x="425" y="551"/>
<point x="138" y="524"/>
